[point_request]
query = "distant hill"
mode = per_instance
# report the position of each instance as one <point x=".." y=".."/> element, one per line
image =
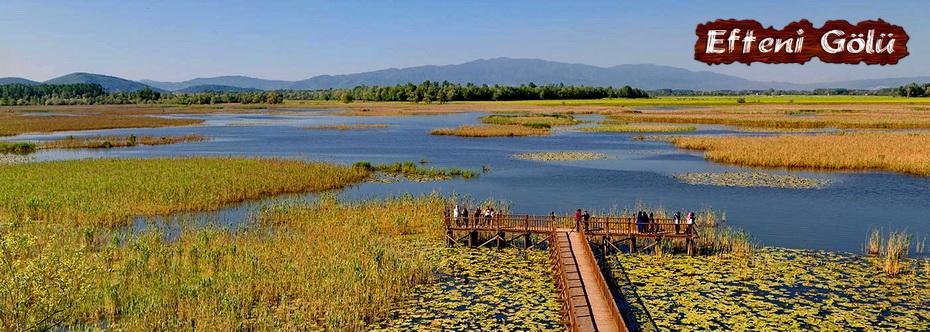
<point x="233" y="81"/>
<point x="215" y="88"/>
<point x="17" y="80"/>
<point x="503" y="71"/>
<point x="109" y="83"/>
<point x="507" y="71"/>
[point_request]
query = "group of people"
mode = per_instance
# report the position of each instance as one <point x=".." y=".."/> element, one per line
<point x="646" y="222"/>
<point x="461" y="214"/>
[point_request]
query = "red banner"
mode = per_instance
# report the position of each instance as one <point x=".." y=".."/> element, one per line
<point x="873" y="42"/>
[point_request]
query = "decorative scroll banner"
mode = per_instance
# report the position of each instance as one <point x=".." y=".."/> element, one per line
<point x="874" y="42"/>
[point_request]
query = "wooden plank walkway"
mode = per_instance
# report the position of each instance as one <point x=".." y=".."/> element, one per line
<point x="587" y="300"/>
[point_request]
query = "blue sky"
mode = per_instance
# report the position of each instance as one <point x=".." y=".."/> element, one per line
<point x="179" y="40"/>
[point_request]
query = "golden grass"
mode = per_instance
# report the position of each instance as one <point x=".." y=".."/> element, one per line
<point x="888" y="116"/>
<point x="111" y="191"/>
<point x="105" y="142"/>
<point x="491" y="131"/>
<point x="897" y="152"/>
<point x="350" y="126"/>
<point x="638" y="128"/>
<point x="894" y="251"/>
<point x="14" y="124"/>
<point x="321" y="266"/>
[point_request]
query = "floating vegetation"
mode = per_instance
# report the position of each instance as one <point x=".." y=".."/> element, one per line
<point x="491" y="131"/>
<point x="482" y="289"/>
<point x="20" y="148"/>
<point x="561" y="155"/>
<point x="112" y="191"/>
<point x="534" y="120"/>
<point x="779" y="130"/>
<point x="411" y="171"/>
<point x="638" y="128"/>
<point x="752" y="179"/>
<point x="106" y="142"/>
<point x="898" y="152"/>
<point x="10" y="159"/>
<point x="778" y="289"/>
<point x="350" y="126"/>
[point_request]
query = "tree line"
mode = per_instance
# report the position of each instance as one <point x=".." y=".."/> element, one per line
<point x="94" y="94"/>
<point x="914" y="90"/>
<point x="441" y="92"/>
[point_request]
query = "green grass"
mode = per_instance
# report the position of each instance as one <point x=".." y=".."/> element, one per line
<point x="17" y="148"/>
<point x="411" y="170"/>
<point x="531" y="120"/>
<point x="111" y="191"/>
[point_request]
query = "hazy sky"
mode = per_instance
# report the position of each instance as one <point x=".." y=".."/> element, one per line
<point x="179" y="40"/>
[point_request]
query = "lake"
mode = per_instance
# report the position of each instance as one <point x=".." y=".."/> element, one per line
<point x="836" y="217"/>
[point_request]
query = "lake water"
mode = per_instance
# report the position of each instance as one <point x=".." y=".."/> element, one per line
<point x="837" y="217"/>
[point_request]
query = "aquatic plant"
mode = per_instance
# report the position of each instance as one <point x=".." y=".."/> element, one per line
<point x="638" y="128"/>
<point x="111" y="191"/>
<point x="894" y="252"/>
<point x="752" y="179"/>
<point x="350" y="126"/>
<point x="561" y="155"/>
<point x="898" y="152"/>
<point x="106" y="142"/>
<point x="17" y="148"/>
<point x="491" y="131"/>
<point x="777" y="289"/>
<point x="481" y="289"/>
<point x="410" y="170"/>
<point x="874" y="244"/>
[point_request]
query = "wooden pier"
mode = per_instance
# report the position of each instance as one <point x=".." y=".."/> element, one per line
<point x="587" y="301"/>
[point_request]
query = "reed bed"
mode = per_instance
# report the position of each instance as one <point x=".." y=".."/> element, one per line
<point x="350" y="126"/>
<point x="891" y="253"/>
<point x="111" y="191"/>
<point x="17" y="147"/>
<point x="780" y="117"/>
<point x="321" y="266"/>
<point x="410" y="170"/>
<point x="534" y="120"/>
<point x="14" y="124"/>
<point x="492" y="131"/>
<point x="638" y="128"/>
<point x="106" y="142"/>
<point x="561" y="156"/>
<point x="897" y="152"/>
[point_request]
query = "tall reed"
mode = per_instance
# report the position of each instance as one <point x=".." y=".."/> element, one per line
<point x="894" y="252"/>
<point x="873" y="245"/>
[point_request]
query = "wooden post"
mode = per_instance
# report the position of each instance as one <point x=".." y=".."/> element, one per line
<point x="472" y="238"/>
<point x="526" y="232"/>
<point x="632" y="243"/>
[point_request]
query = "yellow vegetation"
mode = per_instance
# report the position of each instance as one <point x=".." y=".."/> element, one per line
<point x="350" y="126"/>
<point x="14" y="124"/>
<point x="898" y="152"/>
<point x="630" y="128"/>
<point x="95" y="142"/>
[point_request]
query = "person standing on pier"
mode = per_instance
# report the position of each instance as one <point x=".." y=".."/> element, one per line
<point x="584" y="218"/>
<point x="477" y="215"/>
<point x="690" y="222"/>
<point x="677" y="222"/>
<point x="465" y="214"/>
<point x="578" y="220"/>
<point x="455" y="213"/>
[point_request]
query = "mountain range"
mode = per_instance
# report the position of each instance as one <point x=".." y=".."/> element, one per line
<point x="504" y="71"/>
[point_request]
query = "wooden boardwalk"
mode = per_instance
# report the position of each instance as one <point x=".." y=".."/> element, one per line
<point x="587" y="301"/>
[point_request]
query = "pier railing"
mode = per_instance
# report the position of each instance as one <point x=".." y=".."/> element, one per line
<point x="595" y="226"/>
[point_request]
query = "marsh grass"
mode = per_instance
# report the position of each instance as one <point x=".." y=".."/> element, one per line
<point x="491" y="131"/>
<point x="350" y="126"/>
<point x="106" y="142"/>
<point x="533" y="120"/>
<point x="897" y="152"/>
<point x="638" y="128"/>
<point x="874" y="244"/>
<point x="298" y="266"/>
<point x="20" y="148"/>
<point x="14" y="124"/>
<point x="111" y="191"/>
<point x="411" y="170"/>
<point x="894" y="252"/>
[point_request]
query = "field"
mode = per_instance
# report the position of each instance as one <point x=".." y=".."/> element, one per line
<point x="896" y="152"/>
<point x="491" y="131"/>
<point x="111" y="191"/>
